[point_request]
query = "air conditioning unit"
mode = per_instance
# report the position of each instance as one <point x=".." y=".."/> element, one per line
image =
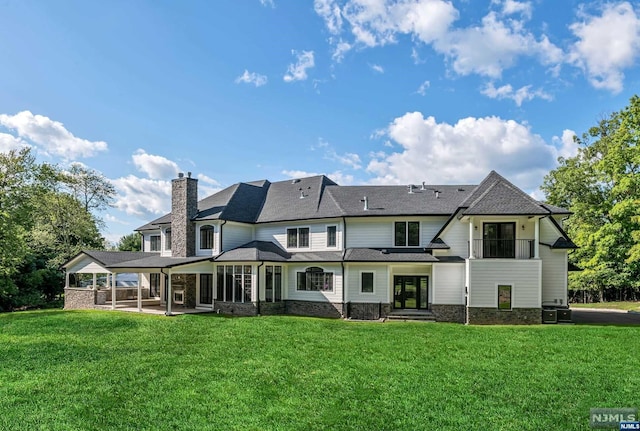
<point x="564" y="315"/>
<point x="549" y="316"/>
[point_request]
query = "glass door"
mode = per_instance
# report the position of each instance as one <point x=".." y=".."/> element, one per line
<point x="411" y="292"/>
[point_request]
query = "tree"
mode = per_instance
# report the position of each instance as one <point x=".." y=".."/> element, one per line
<point x="601" y="186"/>
<point x="90" y="187"/>
<point x="131" y="242"/>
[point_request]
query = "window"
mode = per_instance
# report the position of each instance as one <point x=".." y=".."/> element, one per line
<point x="206" y="237"/>
<point x="167" y="239"/>
<point x="298" y="237"/>
<point x="499" y="240"/>
<point x="154" y="285"/>
<point x="155" y="242"/>
<point x="315" y="279"/>
<point x="504" y="297"/>
<point x="407" y="233"/>
<point x="366" y="282"/>
<point x="273" y="285"/>
<point x="206" y="289"/>
<point x="331" y="236"/>
<point x="235" y="283"/>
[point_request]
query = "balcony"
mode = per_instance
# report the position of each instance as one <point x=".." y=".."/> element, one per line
<point x="503" y="249"/>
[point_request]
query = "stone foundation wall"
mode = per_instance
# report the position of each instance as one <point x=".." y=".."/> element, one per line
<point x="448" y="313"/>
<point x="79" y="298"/>
<point x="236" y="308"/>
<point x="272" y="308"/>
<point x="315" y="309"/>
<point x="516" y="316"/>
<point x="367" y="310"/>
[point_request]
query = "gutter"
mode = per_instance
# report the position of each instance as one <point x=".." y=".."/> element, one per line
<point x="223" y="223"/>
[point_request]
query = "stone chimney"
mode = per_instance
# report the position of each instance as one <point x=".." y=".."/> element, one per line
<point x="184" y="207"/>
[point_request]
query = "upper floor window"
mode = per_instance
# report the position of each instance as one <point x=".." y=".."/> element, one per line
<point x="315" y="278"/>
<point x="407" y="233"/>
<point x="155" y="242"/>
<point x="298" y="237"/>
<point x="332" y="236"/>
<point x="167" y="239"/>
<point x="206" y="237"/>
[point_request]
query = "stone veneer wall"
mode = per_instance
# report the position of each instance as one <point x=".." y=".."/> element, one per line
<point x="448" y="313"/>
<point x="272" y="308"/>
<point x="316" y="309"/>
<point x="79" y="298"/>
<point x="516" y="316"/>
<point x="236" y="308"/>
<point x="186" y="282"/>
<point x="184" y="206"/>
<point x="368" y="310"/>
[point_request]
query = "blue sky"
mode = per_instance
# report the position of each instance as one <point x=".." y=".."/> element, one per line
<point x="365" y="91"/>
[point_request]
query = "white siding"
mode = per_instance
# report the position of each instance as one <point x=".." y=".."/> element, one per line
<point x="235" y="235"/>
<point x="524" y="275"/>
<point x="380" y="283"/>
<point x="379" y="231"/>
<point x="456" y="236"/>
<point x="294" y="294"/>
<point x="194" y="268"/>
<point x="317" y="234"/>
<point x="146" y="239"/>
<point x="86" y="265"/>
<point x="548" y="232"/>
<point x="554" y="276"/>
<point x="448" y="282"/>
<point x="216" y="238"/>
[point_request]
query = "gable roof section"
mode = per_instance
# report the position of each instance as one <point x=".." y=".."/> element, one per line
<point x="255" y="251"/>
<point x="107" y="258"/>
<point x="497" y="196"/>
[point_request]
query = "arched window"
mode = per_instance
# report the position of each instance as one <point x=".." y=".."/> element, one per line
<point x="206" y="237"/>
<point x="167" y="239"/>
<point x="314" y="278"/>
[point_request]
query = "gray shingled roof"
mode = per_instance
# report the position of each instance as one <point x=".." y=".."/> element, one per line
<point x="388" y="255"/>
<point x="158" y="261"/>
<point x="318" y="197"/>
<point x="107" y="258"/>
<point x="255" y="251"/>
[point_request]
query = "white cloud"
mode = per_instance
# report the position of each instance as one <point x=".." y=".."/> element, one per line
<point x="269" y="3"/>
<point x="520" y="95"/>
<point x="337" y="176"/>
<point x="566" y="144"/>
<point x="512" y="7"/>
<point x="341" y="48"/>
<point x="330" y="12"/>
<point x="142" y="196"/>
<point x="298" y="71"/>
<point x="422" y="90"/>
<point x="464" y="152"/>
<point x="415" y="55"/>
<point x="251" y="78"/>
<point x="155" y="167"/>
<point x="351" y="160"/>
<point x="607" y="44"/>
<point x="10" y="142"/>
<point x="50" y="136"/>
<point x="207" y="185"/>
<point x="377" y="68"/>
<point x="493" y="46"/>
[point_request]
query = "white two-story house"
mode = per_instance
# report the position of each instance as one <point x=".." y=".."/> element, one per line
<point x="486" y="253"/>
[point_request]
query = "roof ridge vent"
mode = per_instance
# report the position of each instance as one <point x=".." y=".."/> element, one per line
<point x="437" y="193"/>
<point x="302" y="196"/>
<point x="410" y="187"/>
<point x="366" y="203"/>
<point x="423" y="186"/>
<point x="295" y="180"/>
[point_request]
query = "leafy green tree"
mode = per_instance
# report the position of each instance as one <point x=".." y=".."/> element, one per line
<point x="601" y="185"/>
<point x="131" y="242"/>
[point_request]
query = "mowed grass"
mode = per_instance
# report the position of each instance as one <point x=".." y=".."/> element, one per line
<point x="621" y="305"/>
<point x="90" y="370"/>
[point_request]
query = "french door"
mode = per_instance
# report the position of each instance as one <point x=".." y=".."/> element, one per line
<point x="411" y="292"/>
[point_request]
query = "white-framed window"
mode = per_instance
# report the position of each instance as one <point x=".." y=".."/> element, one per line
<point x="315" y="279"/>
<point x="207" y="237"/>
<point x="273" y="283"/>
<point x="367" y="280"/>
<point x="298" y="237"/>
<point x="406" y="234"/>
<point x="167" y="239"/>
<point x="154" y="243"/>
<point x="505" y="296"/>
<point x="332" y="236"/>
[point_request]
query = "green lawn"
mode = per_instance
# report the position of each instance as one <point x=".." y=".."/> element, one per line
<point x="91" y="370"/>
<point x="635" y="306"/>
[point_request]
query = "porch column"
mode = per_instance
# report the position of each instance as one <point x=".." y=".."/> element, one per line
<point x="169" y="295"/>
<point x="66" y="278"/>
<point x="536" y="239"/>
<point x="139" y="293"/>
<point x="113" y="291"/>
<point x="471" y="251"/>
<point x="95" y="280"/>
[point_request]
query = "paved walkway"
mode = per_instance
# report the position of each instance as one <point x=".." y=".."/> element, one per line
<point x="604" y="317"/>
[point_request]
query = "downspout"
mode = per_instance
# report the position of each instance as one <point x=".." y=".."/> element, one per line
<point x="258" y="289"/>
<point x="223" y="223"/>
<point x="344" y="252"/>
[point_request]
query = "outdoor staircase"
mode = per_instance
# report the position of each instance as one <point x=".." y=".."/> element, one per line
<point x="411" y="316"/>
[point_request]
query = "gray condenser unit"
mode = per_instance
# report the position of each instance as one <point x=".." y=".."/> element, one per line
<point x="549" y="316"/>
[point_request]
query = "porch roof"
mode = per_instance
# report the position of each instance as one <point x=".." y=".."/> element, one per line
<point x="156" y="261"/>
<point x="388" y="255"/>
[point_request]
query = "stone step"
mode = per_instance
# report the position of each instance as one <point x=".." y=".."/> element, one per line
<point x="417" y="317"/>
